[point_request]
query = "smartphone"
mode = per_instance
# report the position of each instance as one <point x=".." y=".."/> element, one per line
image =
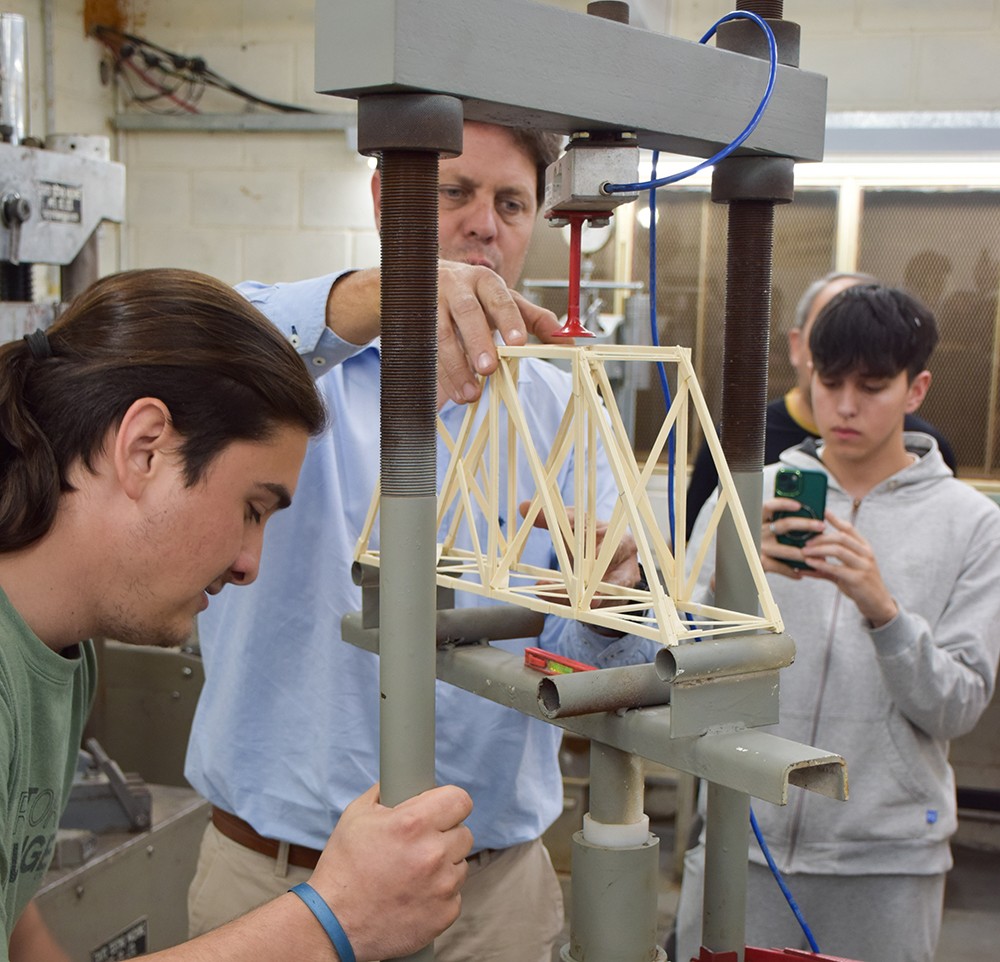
<point x="809" y="489"/>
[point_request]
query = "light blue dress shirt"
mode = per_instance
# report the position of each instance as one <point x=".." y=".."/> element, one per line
<point x="286" y="730"/>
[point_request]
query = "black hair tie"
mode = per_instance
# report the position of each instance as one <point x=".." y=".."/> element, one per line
<point x="38" y="344"/>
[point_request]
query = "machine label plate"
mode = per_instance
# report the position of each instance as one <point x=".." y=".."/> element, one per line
<point x="62" y="203"/>
<point x="129" y="944"/>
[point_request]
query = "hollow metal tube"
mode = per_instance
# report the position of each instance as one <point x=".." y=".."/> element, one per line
<point x="610" y="689"/>
<point x="715" y="659"/>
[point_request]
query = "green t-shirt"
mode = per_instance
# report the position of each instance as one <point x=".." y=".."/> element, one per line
<point x="45" y="698"/>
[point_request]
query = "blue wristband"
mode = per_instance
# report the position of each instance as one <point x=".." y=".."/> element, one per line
<point x="326" y="918"/>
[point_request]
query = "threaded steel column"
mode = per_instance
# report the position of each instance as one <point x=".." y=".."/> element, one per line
<point x="751" y="186"/>
<point x="744" y="386"/>
<point x="409" y="131"/>
<point x="407" y="523"/>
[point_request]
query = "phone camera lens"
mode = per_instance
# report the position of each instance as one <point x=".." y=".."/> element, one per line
<point x="788" y="484"/>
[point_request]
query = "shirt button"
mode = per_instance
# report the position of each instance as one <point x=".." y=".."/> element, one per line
<point x="295" y="340"/>
<point x="319" y="361"/>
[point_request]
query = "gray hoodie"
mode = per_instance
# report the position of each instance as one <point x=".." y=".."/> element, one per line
<point x="888" y="699"/>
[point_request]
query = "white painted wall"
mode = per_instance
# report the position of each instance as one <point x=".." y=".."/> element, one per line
<point x="281" y="206"/>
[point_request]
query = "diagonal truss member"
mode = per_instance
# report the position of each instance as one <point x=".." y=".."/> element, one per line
<point x="591" y="430"/>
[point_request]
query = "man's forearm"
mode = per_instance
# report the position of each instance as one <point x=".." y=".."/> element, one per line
<point x="353" y="307"/>
<point x="282" y="929"/>
<point x="31" y="940"/>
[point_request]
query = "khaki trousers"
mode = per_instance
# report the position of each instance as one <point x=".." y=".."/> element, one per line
<point x="512" y="907"/>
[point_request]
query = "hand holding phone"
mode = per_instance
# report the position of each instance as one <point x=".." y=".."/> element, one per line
<point x="809" y="489"/>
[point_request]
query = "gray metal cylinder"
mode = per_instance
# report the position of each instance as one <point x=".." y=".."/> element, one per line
<point x="613" y="914"/>
<point x="727" y="828"/>
<point x="616" y="10"/>
<point x="735" y="588"/>
<point x="721" y="657"/>
<point x="13" y="78"/>
<point x="616" y="785"/>
<point x="407" y="651"/>
<point x="611" y="689"/>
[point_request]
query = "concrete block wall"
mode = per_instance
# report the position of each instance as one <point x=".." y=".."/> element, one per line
<point x="287" y="205"/>
<point x="266" y="206"/>
<point x="237" y="205"/>
<point x="886" y="54"/>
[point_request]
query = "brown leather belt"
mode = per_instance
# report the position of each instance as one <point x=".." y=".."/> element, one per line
<point x="301" y="856"/>
<point x="234" y="828"/>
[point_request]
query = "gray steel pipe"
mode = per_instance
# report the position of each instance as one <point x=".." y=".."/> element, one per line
<point x="610" y="689"/>
<point x="613" y="898"/>
<point x="617" y="786"/>
<point x="456" y="625"/>
<point x="720" y="658"/>
<point x="615" y="866"/>
<point x="727" y="820"/>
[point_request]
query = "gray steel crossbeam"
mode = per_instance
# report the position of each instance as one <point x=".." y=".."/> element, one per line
<point x="528" y="64"/>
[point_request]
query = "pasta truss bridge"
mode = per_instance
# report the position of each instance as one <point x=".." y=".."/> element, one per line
<point x="476" y="553"/>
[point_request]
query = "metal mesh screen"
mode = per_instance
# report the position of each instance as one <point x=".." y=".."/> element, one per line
<point x="691" y="281"/>
<point x="941" y="243"/>
<point x="944" y="246"/>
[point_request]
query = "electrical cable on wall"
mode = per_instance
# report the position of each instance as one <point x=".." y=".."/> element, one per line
<point x="172" y="82"/>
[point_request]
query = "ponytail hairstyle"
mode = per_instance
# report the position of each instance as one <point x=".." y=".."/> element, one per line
<point x="222" y="369"/>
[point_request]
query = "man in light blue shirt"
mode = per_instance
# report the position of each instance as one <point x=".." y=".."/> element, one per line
<point x="286" y="731"/>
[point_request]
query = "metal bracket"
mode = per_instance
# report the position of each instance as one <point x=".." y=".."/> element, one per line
<point x="103" y="794"/>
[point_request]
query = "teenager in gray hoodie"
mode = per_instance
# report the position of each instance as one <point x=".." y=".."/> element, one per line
<point x="897" y="627"/>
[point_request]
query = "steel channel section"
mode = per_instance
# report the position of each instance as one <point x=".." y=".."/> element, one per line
<point x="750" y="760"/>
<point x="676" y="95"/>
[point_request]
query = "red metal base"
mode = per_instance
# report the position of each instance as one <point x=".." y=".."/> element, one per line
<point x="573" y="329"/>
<point x="752" y="954"/>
